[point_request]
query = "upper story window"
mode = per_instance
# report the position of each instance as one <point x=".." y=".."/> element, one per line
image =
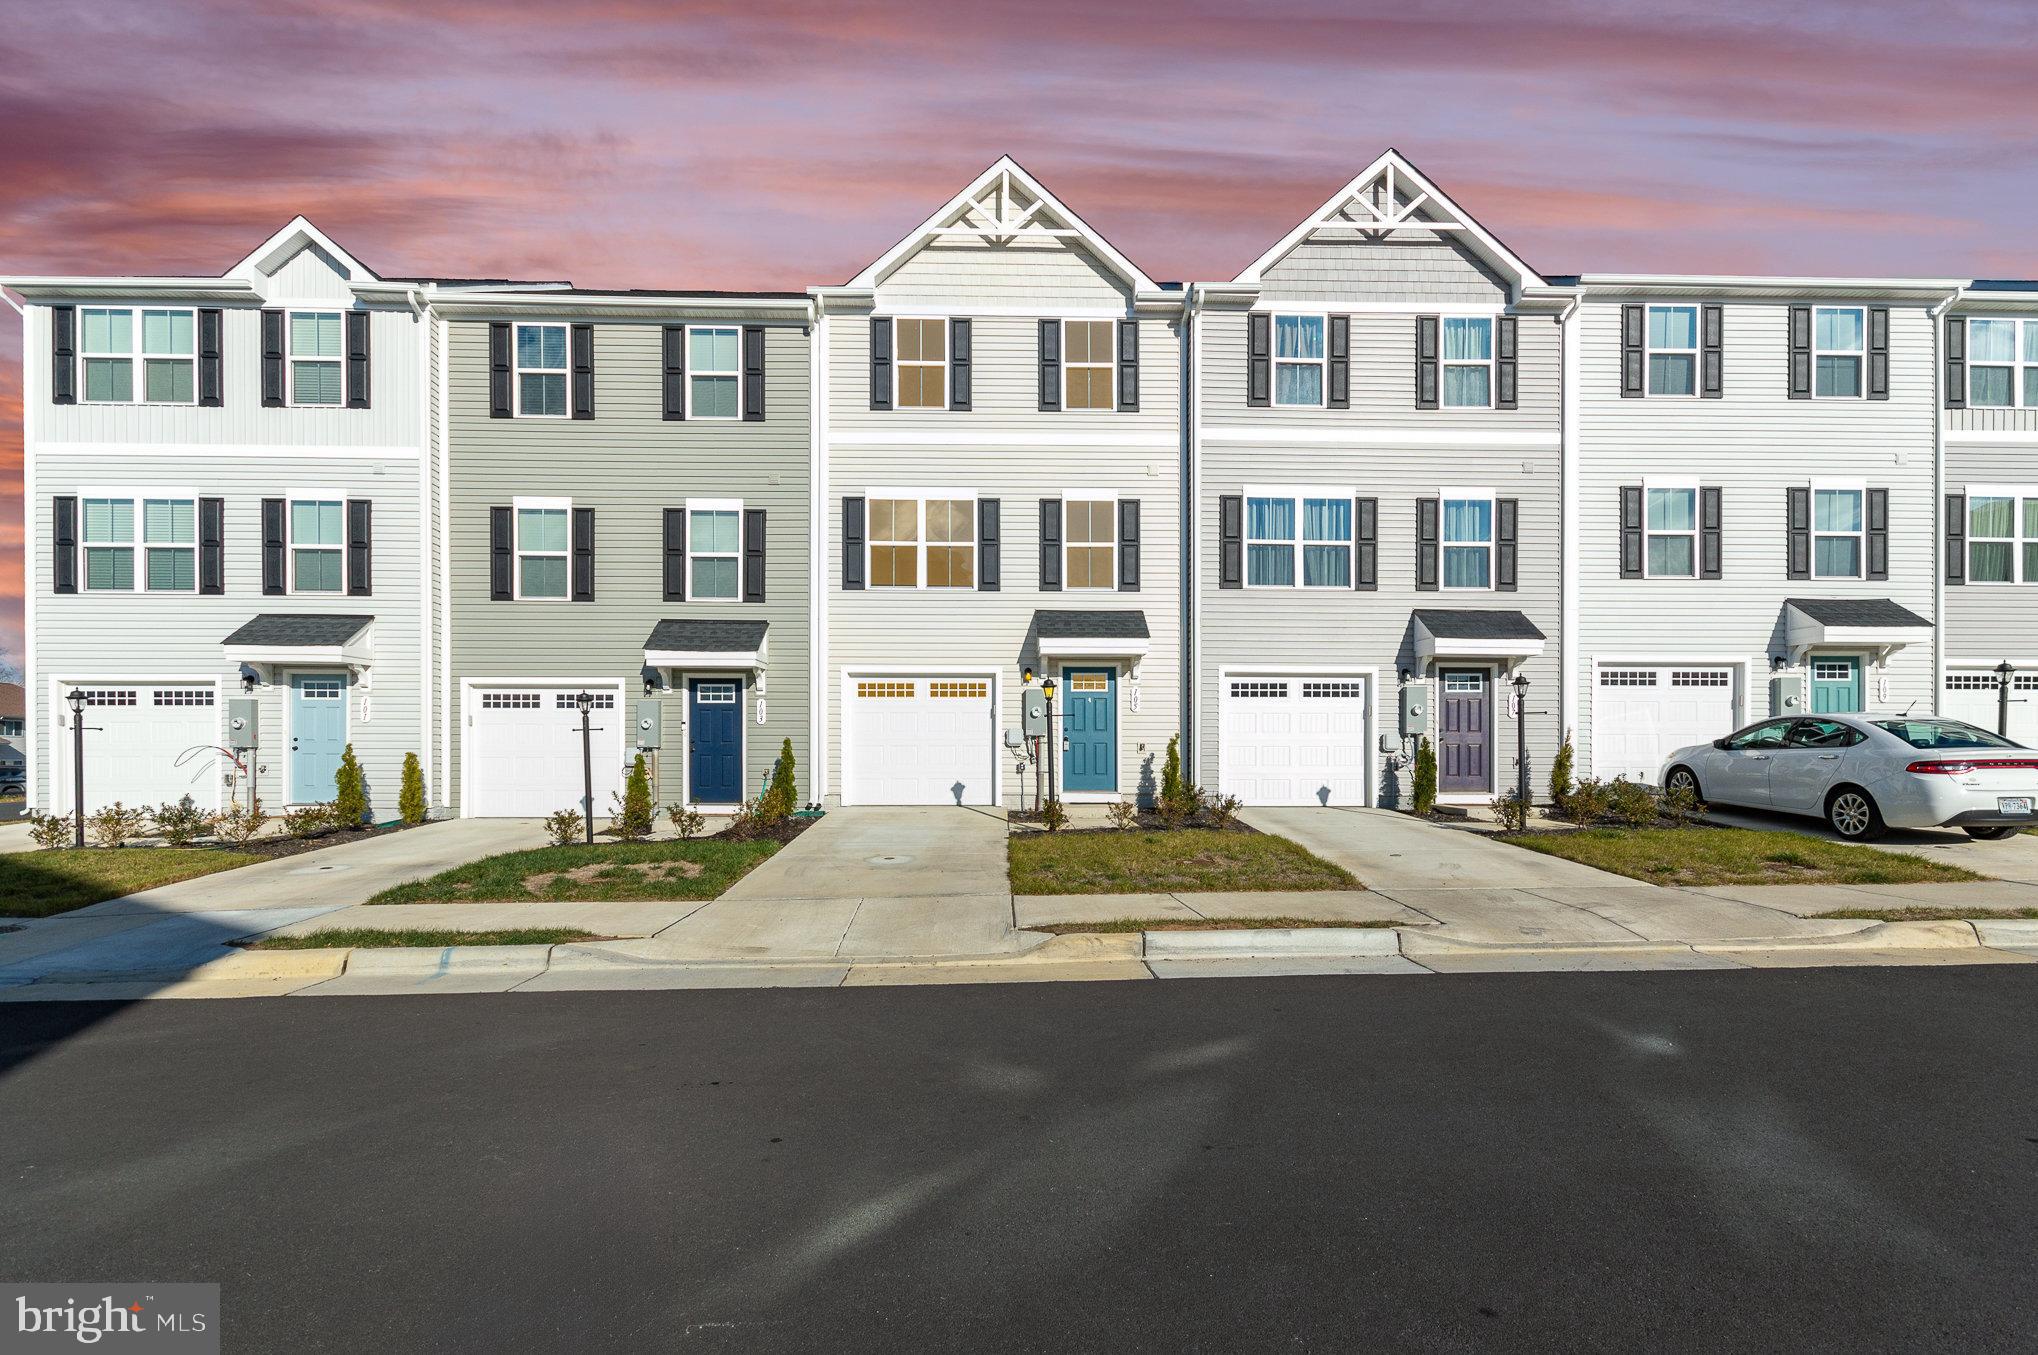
<point x="714" y="549"/>
<point x="1673" y="350"/>
<point x="541" y="373"/>
<point x="714" y="372"/>
<point x="2002" y="536"/>
<point x="114" y="341"/>
<point x="1997" y="351"/>
<point x="1839" y="340"/>
<point x="1468" y="362"/>
<point x="1838" y="524"/>
<point x="12" y="726"/>
<point x="169" y="545"/>
<point x="316" y="561"/>
<point x="920" y="350"/>
<point x="1089" y="369"/>
<point x="315" y="354"/>
<point x="1090" y="543"/>
<point x="1468" y="541"/>
<point x="1671" y="523"/>
<point x="1298" y="360"/>
<point x="1314" y="529"/>
<point x="923" y="543"/>
<point x="543" y="537"/>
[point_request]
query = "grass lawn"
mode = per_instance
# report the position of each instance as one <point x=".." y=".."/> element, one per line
<point x="1195" y="924"/>
<point x="44" y="883"/>
<point x="608" y="872"/>
<point x="1734" y="856"/>
<point x="1190" y="860"/>
<point x="1921" y="913"/>
<point x="374" y="938"/>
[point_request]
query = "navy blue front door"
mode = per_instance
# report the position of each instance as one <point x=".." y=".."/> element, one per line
<point x="715" y="740"/>
<point x="1090" y="726"/>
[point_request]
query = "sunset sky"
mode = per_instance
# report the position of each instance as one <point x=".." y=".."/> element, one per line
<point x="776" y="144"/>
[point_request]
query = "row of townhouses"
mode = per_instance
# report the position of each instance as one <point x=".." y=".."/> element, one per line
<point x="1298" y="518"/>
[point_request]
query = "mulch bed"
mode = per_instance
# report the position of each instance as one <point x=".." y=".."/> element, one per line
<point x="270" y="847"/>
<point x="1148" y="822"/>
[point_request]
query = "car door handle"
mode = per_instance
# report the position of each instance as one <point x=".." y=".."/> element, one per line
<point x="1829" y="757"/>
<point x="1758" y="757"/>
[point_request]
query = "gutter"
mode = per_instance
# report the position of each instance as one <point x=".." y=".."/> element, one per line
<point x="1937" y="315"/>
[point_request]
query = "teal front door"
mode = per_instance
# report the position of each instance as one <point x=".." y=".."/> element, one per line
<point x="1836" y="684"/>
<point x="1090" y="728"/>
<point x="318" y="735"/>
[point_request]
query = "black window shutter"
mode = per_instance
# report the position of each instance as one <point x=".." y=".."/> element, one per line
<point x="360" y="548"/>
<point x="1506" y="543"/>
<point x="500" y="555"/>
<point x="1425" y="545"/>
<point x="64" y="536"/>
<point x="1878" y="534"/>
<point x="1956" y="536"/>
<point x="1711" y="524"/>
<point x="753" y="555"/>
<point x="1050" y="545"/>
<point x="211" y="391"/>
<point x="357" y="359"/>
<point x="990" y="554"/>
<point x="1631" y="532"/>
<point x="1425" y="362"/>
<point x="583" y="371"/>
<point x="1633" y="325"/>
<point x="958" y="364"/>
<point x="1259" y="360"/>
<point x="583" y="555"/>
<point x="675" y="554"/>
<point x="673" y="353"/>
<point x="64" y="358"/>
<point x="275" y="569"/>
<point x="499" y="406"/>
<point x="1798" y="531"/>
<point x="1956" y="362"/>
<point x="1800" y="352"/>
<point x="1339" y="394"/>
<point x="212" y="547"/>
<point x="852" y="543"/>
<point x="753" y="373"/>
<point x="880" y="365"/>
<point x="1128" y="545"/>
<point x="1128" y="366"/>
<point x="1878" y="352"/>
<point x="1050" y="365"/>
<point x="1712" y="349"/>
<point x="1506" y="364"/>
<point x="1366" y="544"/>
<point x="272" y="360"/>
<point x="1231" y="541"/>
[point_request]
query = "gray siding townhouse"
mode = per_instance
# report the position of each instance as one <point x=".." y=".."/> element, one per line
<point x="1377" y="478"/>
<point x="1001" y="453"/>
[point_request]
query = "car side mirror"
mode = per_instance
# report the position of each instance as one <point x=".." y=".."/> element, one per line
<point x="1720" y="744"/>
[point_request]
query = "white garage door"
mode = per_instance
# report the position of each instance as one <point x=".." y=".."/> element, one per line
<point x="524" y="753"/>
<point x="922" y="740"/>
<point x="1294" y="740"/>
<point x="1643" y="713"/>
<point x="1975" y="698"/>
<point x="145" y="744"/>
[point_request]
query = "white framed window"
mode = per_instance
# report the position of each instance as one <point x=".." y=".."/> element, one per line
<point x="2002" y="535"/>
<point x="2002" y="360"/>
<point x="1670" y="526"/>
<point x="1089" y="543"/>
<point x="541" y="371"/>
<point x="1464" y="683"/>
<point x="1299" y="360"/>
<point x="170" y="545"/>
<point x="1673" y="350"/>
<point x="108" y="544"/>
<point x="163" y="528"/>
<point x="1467" y="532"/>
<point x="714" y="549"/>
<point x="1298" y="538"/>
<point x="1089" y="352"/>
<point x="317" y="545"/>
<point x="113" y="341"/>
<point x="1839" y="348"/>
<point x="922" y="540"/>
<point x="714" y="372"/>
<point x="1468" y="361"/>
<point x="920" y="362"/>
<point x="1839" y="525"/>
<point x="544" y="546"/>
<point x="315" y="352"/>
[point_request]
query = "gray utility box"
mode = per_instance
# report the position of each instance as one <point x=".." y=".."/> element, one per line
<point x="243" y="722"/>
<point x="1786" y="695"/>
<point x="1032" y="712"/>
<point x="650" y="723"/>
<point x="1414" y="709"/>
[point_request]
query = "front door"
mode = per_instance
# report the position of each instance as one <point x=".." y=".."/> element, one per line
<point x="715" y="740"/>
<point x="318" y="735"/>
<point x="1836" y="684"/>
<point x="1464" y="756"/>
<point x="1090" y="728"/>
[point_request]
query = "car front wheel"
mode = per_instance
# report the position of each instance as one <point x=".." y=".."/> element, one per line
<point x="1853" y="815"/>
<point x="1995" y="834"/>
<point x="1682" y="779"/>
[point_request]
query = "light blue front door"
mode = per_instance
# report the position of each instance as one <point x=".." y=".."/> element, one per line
<point x="318" y="734"/>
<point x="1090" y="726"/>
<point x="1836" y="684"/>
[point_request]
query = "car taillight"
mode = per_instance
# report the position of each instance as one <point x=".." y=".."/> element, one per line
<point x="1962" y="768"/>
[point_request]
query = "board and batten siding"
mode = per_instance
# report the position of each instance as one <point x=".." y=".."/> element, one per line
<point x="1990" y="622"/>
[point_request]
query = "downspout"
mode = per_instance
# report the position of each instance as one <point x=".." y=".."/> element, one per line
<point x="819" y="515"/>
<point x="1192" y="592"/>
<point x="428" y="581"/>
<point x="1937" y="315"/>
<point x="1567" y="518"/>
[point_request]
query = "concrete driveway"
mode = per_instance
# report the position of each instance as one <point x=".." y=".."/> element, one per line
<point x="1387" y="850"/>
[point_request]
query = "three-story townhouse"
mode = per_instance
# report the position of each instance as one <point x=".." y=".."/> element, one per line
<point x="1002" y="456"/>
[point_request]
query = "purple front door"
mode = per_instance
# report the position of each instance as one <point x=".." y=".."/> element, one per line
<point x="1464" y="758"/>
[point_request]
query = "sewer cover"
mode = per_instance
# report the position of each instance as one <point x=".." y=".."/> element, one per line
<point x="886" y="860"/>
<point x="316" y="870"/>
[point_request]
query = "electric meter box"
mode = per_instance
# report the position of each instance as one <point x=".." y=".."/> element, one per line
<point x="1786" y="694"/>
<point x="1414" y="709"/>
<point x="243" y="722"/>
<point x="650" y="723"/>
<point x="1032" y="712"/>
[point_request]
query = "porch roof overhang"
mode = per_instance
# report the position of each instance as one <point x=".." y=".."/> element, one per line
<point x="273" y="638"/>
<point x="1091" y="634"/>
<point x="707" y="643"/>
<point x="1472" y="633"/>
<point x="1877" y="624"/>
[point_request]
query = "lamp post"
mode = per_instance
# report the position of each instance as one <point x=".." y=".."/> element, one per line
<point x="585" y="701"/>
<point x="1053" y="786"/>
<point x="77" y="700"/>
<point x="2004" y="671"/>
<point x="1521" y="764"/>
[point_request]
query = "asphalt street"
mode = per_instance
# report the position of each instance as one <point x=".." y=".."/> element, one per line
<point x="1788" y="1160"/>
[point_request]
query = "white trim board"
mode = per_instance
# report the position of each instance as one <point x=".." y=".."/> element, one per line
<point x="1525" y="439"/>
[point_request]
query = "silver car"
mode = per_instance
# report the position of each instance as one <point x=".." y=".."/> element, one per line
<point x="1863" y="774"/>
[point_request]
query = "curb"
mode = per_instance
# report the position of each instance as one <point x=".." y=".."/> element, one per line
<point x="1881" y="936"/>
<point x="406" y="960"/>
<point x="2008" y="931"/>
<point x="1247" y="944"/>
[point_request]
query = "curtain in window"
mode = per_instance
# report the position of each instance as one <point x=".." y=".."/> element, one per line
<point x="1298" y="336"/>
<point x="1466" y="567"/>
<point x="1467" y="520"/>
<point x="1326" y="521"/>
<point x="1991" y="340"/>
<point x="1467" y="339"/>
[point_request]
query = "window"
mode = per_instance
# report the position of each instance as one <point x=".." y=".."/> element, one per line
<point x="1627" y="677"/>
<point x="1089" y="364"/>
<point x="1768" y="734"/>
<point x="714" y="373"/>
<point x="1298" y="360"/>
<point x="1932" y="733"/>
<point x="1836" y="533"/>
<point x="315" y="358"/>
<point x="714" y="550"/>
<point x="714" y="693"/>
<point x="109" y="544"/>
<point x="1089" y="682"/>
<point x="541" y="371"/>
<point x="1671" y="522"/>
<point x="960" y="691"/>
<point x="885" y="691"/>
<point x="183" y="696"/>
<point x="1838" y="339"/>
<point x="1315" y="529"/>
<point x="1701" y="677"/>
<point x="1823" y="734"/>
<point x="904" y="533"/>
<point x="1260" y="690"/>
<point x="1673" y="350"/>
<point x="169" y="545"/>
<point x="1995" y="355"/>
<point x="322" y="688"/>
<point x="1468" y="362"/>
<point x="2002" y="537"/>
<point x="1333" y="691"/>
<point x="922" y="362"/>
<point x="571" y="700"/>
<point x="316" y="565"/>
<point x="167" y="354"/>
<point x="1465" y="683"/>
<point x="1090" y="543"/>
<point x="510" y="700"/>
<point x="1270" y="543"/>
<point x="1468" y="542"/>
<point x="542" y="544"/>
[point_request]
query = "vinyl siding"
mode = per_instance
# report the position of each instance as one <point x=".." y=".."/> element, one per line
<point x="959" y="273"/>
<point x="310" y="274"/>
<point x="1414" y="267"/>
<point x="1991" y="622"/>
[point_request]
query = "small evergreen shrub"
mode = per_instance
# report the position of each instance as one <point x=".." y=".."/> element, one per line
<point x="350" y="792"/>
<point x="410" y="801"/>
<point x="1632" y="804"/>
<point x="310" y="821"/>
<point x="1588" y="802"/>
<point x="1054" y="816"/>
<point x="781" y="797"/>
<point x="1424" y="790"/>
<point x="564" y="827"/>
<point x="632" y="818"/>
<point x="1561" y="776"/>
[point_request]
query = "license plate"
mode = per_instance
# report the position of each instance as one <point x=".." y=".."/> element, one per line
<point x="2013" y="804"/>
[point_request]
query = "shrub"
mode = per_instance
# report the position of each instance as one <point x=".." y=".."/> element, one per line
<point x="310" y="821"/>
<point x="632" y="818"/>
<point x="1180" y="800"/>
<point x="410" y="801"/>
<point x="1123" y="814"/>
<point x="350" y="792"/>
<point x="1681" y="805"/>
<point x="116" y="824"/>
<point x="746" y="823"/>
<point x="1560" y="772"/>
<point x="1171" y="771"/>
<point x="1588" y="802"/>
<point x="1424" y="791"/>
<point x="50" y="830"/>
<point x="1054" y="816"/>
<point x="1512" y="812"/>
<point x="182" y="823"/>
<point x="1632" y="804"/>
<point x="564" y="826"/>
<point x="238" y="823"/>
<point x="781" y="797"/>
<point x="686" y="822"/>
<point x="1223" y="810"/>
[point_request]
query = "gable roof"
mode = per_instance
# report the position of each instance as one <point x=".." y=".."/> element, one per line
<point x="277" y="250"/>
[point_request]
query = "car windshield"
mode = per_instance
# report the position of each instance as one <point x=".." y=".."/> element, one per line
<point x="1943" y="734"/>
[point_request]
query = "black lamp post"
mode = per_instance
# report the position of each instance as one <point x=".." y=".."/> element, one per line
<point x="1053" y="785"/>
<point x="77" y="700"/>
<point x="585" y="700"/>
<point x="2004" y="671"/>
<point x="1521" y="763"/>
